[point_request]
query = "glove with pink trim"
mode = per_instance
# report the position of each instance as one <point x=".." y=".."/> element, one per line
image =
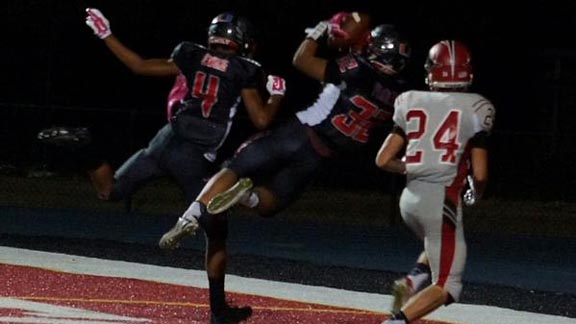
<point x="276" y="85"/>
<point x="99" y="24"/>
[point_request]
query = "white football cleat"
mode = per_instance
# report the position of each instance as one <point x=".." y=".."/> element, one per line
<point x="183" y="227"/>
<point x="401" y="291"/>
<point x="224" y="200"/>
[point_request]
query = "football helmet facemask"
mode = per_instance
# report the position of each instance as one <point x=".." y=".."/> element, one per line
<point x="448" y="66"/>
<point x="387" y="53"/>
<point x="232" y="31"/>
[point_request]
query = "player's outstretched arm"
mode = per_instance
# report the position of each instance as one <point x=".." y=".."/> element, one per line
<point x="152" y="67"/>
<point x="305" y="59"/>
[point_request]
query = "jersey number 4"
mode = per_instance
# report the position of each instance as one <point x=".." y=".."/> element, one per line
<point x="205" y="87"/>
<point x="445" y="138"/>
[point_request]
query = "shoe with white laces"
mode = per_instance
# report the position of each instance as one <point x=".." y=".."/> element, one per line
<point x="224" y="200"/>
<point x="401" y="291"/>
<point x="183" y="227"/>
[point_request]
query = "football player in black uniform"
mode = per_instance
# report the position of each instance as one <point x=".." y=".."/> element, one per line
<point x="360" y="86"/>
<point x="210" y="84"/>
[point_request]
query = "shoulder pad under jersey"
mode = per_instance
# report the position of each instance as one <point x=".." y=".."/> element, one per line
<point x="250" y="60"/>
<point x="484" y="112"/>
<point x="199" y="46"/>
<point x="185" y="46"/>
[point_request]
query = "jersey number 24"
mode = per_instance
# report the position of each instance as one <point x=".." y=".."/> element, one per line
<point x="444" y="139"/>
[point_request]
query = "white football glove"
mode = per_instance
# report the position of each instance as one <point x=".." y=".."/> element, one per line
<point x="320" y="30"/>
<point x="99" y="24"/>
<point x="276" y="85"/>
<point x="470" y="196"/>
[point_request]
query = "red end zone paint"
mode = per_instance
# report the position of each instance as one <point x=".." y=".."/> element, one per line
<point x="40" y="295"/>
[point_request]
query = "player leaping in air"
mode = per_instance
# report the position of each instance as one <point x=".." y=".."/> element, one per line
<point x="210" y="83"/>
<point x="272" y="170"/>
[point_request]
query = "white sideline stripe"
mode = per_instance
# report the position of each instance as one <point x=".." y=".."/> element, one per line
<point x="457" y="313"/>
<point x="37" y="313"/>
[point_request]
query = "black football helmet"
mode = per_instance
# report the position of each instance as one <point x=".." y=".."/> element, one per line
<point x="386" y="52"/>
<point x="233" y="31"/>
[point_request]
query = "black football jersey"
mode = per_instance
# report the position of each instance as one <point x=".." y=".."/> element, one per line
<point x="210" y="84"/>
<point x="354" y="101"/>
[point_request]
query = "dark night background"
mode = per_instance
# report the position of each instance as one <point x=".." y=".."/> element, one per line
<point x="55" y="71"/>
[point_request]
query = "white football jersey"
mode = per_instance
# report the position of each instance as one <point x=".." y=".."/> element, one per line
<point x="438" y="126"/>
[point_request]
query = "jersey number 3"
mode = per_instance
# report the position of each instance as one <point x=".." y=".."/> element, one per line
<point x="444" y="139"/>
<point x="354" y="124"/>
<point x="205" y="87"/>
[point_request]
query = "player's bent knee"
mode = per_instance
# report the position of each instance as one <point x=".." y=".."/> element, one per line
<point x="454" y="289"/>
<point x="269" y="204"/>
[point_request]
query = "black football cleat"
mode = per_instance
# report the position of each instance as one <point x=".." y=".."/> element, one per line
<point x="232" y="315"/>
<point x="70" y="137"/>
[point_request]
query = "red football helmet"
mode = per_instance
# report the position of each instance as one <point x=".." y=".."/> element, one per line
<point x="448" y="66"/>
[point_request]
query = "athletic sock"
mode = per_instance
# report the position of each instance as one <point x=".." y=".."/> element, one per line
<point x="399" y="317"/>
<point x="420" y="276"/>
<point x="251" y="200"/>
<point x="196" y="210"/>
<point x="217" y="295"/>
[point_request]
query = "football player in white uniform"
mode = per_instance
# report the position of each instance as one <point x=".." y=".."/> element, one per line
<point x="443" y="132"/>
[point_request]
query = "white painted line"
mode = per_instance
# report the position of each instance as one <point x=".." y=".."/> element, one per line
<point x="456" y="313"/>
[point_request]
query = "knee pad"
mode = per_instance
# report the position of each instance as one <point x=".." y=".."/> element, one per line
<point x="215" y="226"/>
